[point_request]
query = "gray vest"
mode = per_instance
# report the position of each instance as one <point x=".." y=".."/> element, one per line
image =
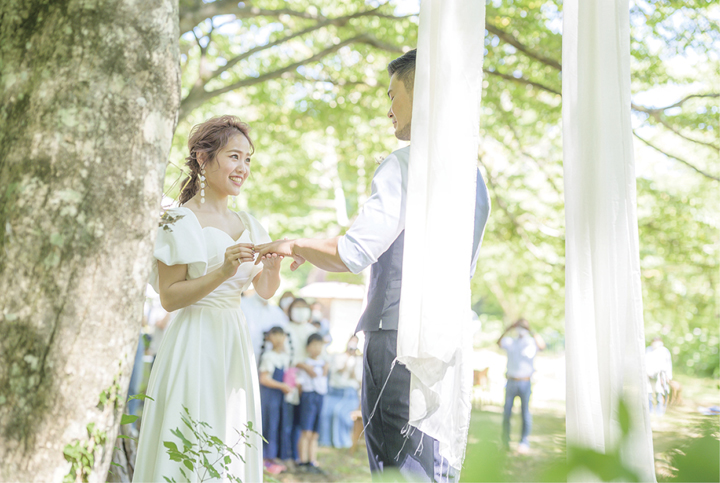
<point x="383" y="303"/>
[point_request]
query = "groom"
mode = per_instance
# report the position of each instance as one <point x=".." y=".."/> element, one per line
<point x="376" y="239"/>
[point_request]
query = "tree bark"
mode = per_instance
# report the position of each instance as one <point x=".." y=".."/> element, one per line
<point x="89" y="94"/>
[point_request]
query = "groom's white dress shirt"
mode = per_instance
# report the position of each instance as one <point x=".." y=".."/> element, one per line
<point x="382" y="218"/>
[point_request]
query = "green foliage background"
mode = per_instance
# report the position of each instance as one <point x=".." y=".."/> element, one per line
<point x="320" y="127"/>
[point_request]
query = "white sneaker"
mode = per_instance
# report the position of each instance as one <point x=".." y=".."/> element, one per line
<point x="523" y="448"/>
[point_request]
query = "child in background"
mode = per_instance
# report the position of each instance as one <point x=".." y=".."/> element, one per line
<point x="298" y="331"/>
<point x="272" y="397"/>
<point x="314" y="385"/>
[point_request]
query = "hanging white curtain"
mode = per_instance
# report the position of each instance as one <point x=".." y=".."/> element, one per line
<point x="604" y="335"/>
<point x="433" y="336"/>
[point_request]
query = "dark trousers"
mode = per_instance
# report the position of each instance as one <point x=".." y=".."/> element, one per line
<point x="271" y="401"/>
<point x="274" y="417"/>
<point x="395" y="450"/>
<point x="290" y="432"/>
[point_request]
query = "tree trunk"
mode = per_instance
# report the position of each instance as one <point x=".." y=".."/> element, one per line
<point x="89" y="93"/>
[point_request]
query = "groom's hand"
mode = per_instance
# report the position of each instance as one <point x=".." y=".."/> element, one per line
<point x="283" y="248"/>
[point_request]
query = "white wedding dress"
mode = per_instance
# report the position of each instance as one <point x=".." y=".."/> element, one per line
<point x="205" y="361"/>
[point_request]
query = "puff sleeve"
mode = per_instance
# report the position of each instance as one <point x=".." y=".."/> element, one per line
<point x="180" y="243"/>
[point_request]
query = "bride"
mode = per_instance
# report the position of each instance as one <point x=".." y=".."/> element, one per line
<point x="202" y="263"/>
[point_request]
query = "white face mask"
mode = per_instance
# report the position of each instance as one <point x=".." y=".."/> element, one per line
<point x="522" y="332"/>
<point x="317" y="315"/>
<point x="300" y="314"/>
<point x="285" y="303"/>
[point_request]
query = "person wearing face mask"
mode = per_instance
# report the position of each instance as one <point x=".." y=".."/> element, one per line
<point x="521" y="350"/>
<point x="298" y="330"/>
<point x="285" y="301"/>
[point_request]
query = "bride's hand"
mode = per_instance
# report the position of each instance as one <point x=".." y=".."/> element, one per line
<point x="235" y="255"/>
<point x="283" y="248"/>
<point x="271" y="261"/>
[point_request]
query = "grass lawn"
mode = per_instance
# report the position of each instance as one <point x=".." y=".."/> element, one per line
<point x="486" y="461"/>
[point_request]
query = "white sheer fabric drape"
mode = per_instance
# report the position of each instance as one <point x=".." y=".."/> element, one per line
<point x="433" y="340"/>
<point x="604" y="319"/>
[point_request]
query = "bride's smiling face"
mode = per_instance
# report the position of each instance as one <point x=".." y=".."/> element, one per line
<point x="231" y="167"/>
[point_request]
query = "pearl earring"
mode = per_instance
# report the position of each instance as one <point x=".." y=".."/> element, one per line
<point x="202" y="184"/>
<point x="233" y="204"/>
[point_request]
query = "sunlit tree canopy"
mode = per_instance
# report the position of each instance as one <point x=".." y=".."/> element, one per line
<point x="310" y="78"/>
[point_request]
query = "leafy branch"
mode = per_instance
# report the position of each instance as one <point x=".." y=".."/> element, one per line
<point x="522" y="80"/>
<point x="192" y="15"/>
<point x="676" y="158"/>
<point x="198" y="95"/>
<point x="657" y="115"/>
<point x="533" y="249"/>
<point x="512" y="40"/>
<point x="194" y="456"/>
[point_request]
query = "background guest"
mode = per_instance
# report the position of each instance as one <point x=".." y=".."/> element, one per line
<point x="521" y="350"/>
<point x="336" y="424"/>
<point x="298" y="331"/>
<point x="658" y="364"/>
<point x="314" y="386"/>
<point x="285" y="300"/>
<point x="261" y="316"/>
<point x="273" y="364"/>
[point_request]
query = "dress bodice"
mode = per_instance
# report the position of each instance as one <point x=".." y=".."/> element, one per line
<point x="185" y="241"/>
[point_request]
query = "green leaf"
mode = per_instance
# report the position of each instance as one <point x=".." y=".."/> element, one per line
<point x="182" y="438"/>
<point x="116" y="464"/>
<point x="128" y="418"/>
<point x="127" y="437"/>
<point x="140" y="396"/>
<point x="188" y="424"/>
<point x="227" y="460"/>
<point x="176" y="456"/>
<point x="170" y="445"/>
<point x="188" y="464"/>
<point x="211" y="469"/>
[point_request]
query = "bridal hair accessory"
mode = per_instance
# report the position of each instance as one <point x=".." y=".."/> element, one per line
<point x="202" y="184"/>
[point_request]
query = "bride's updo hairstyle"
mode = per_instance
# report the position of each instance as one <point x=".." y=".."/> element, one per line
<point x="208" y="138"/>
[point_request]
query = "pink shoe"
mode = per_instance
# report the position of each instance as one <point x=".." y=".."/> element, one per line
<point x="272" y="468"/>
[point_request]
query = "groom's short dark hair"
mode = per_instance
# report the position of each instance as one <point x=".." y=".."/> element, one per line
<point x="404" y="68"/>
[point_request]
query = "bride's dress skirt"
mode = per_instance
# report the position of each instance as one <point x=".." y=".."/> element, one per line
<point x="205" y="362"/>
